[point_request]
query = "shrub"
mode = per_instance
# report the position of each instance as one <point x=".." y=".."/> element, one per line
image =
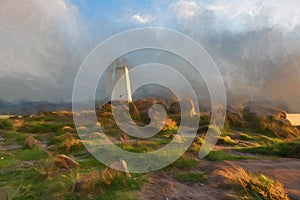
<point x="184" y="162"/>
<point x="254" y="186"/>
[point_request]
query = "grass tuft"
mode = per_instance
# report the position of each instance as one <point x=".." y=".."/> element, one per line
<point x="254" y="186"/>
<point x="194" y="177"/>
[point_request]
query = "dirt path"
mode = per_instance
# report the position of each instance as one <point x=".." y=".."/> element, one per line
<point x="165" y="187"/>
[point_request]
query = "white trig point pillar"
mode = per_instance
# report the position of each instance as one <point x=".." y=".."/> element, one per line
<point x="122" y="93"/>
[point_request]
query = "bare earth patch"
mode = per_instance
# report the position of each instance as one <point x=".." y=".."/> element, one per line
<point x="166" y="187"/>
<point x="160" y="186"/>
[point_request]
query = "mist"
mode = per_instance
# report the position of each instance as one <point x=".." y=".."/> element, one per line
<point x="256" y="45"/>
<point x="41" y="49"/>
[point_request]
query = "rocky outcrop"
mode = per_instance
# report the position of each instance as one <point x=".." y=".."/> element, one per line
<point x="183" y="106"/>
<point x="265" y="119"/>
<point x="253" y="112"/>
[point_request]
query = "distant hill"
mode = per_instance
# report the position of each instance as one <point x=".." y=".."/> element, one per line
<point x="28" y="107"/>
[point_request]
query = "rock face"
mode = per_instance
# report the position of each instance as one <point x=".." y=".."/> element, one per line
<point x="266" y="119"/>
<point x="260" y="111"/>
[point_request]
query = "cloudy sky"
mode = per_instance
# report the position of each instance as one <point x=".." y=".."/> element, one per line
<point x="256" y="44"/>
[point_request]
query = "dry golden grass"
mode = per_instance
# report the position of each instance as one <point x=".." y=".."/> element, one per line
<point x="170" y="125"/>
<point x="254" y="186"/>
<point x="71" y="141"/>
<point x="90" y="181"/>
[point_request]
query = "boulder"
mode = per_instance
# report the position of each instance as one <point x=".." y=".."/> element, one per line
<point x="261" y="111"/>
<point x="270" y="120"/>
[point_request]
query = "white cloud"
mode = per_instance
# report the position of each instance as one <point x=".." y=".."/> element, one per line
<point x="185" y="10"/>
<point x="142" y="19"/>
<point x="252" y="15"/>
<point x="238" y="16"/>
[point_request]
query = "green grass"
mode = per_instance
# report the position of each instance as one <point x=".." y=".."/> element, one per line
<point x="247" y="135"/>
<point x="283" y="149"/>
<point x="138" y="147"/>
<point x="184" y="162"/>
<point x="49" y="127"/>
<point x="90" y="162"/>
<point x="143" y="146"/>
<point x="251" y="130"/>
<point x="24" y="171"/>
<point x="194" y="177"/>
<point x="7" y="161"/>
<point x="39" y="128"/>
<point x="6" y="124"/>
<point x="122" y="183"/>
<point x="28" y="174"/>
<point x="21" y="182"/>
<point x="30" y="154"/>
<point x="21" y="192"/>
<point x="124" y="195"/>
<point x="121" y="187"/>
<point x="60" y="185"/>
<point x="14" y="138"/>
<point x="221" y="155"/>
<point x="226" y="140"/>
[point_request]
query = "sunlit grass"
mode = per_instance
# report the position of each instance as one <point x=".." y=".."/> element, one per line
<point x="254" y="186"/>
<point x="283" y="149"/>
<point x="221" y="155"/>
